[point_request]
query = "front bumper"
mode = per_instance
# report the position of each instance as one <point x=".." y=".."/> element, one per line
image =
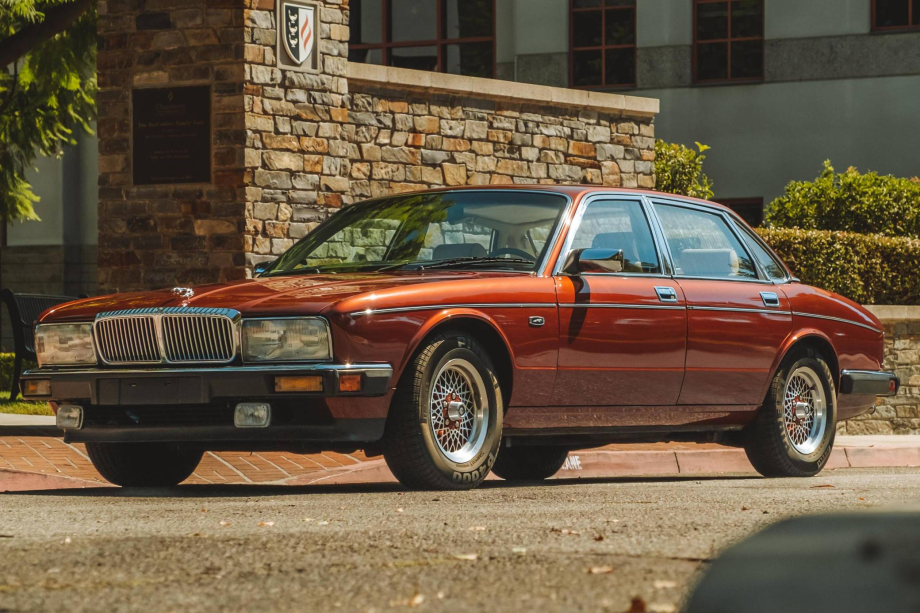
<point x="189" y="386"/>
<point x="869" y="383"/>
<point x="196" y="405"/>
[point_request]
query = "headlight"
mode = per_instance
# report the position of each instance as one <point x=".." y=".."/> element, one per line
<point x="64" y="344"/>
<point x="295" y="339"/>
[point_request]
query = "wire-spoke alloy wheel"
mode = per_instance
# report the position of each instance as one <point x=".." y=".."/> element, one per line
<point x="445" y="424"/>
<point x="457" y="415"/>
<point x="792" y="434"/>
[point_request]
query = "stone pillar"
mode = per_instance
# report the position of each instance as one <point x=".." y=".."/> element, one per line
<point x="164" y="234"/>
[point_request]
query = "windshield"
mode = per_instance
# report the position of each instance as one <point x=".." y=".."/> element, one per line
<point x="464" y="229"/>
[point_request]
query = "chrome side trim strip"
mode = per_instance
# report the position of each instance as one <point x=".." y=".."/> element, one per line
<point x="614" y="305"/>
<point x="119" y="372"/>
<point x="739" y="310"/>
<point x="838" y="319"/>
<point x="435" y="307"/>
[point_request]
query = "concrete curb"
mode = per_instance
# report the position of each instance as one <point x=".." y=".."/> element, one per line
<point x="21" y="481"/>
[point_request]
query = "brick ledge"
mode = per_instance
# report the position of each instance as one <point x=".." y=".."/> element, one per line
<point x="893" y="313"/>
<point x="616" y="104"/>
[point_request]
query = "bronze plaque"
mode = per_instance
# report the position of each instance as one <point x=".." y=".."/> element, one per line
<point x="172" y="135"/>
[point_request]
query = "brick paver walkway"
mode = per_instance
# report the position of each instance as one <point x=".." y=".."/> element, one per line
<point x="52" y="456"/>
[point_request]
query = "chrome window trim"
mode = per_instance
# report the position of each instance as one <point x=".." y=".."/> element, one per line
<point x="576" y="223"/>
<point x="157" y="314"/>
<point x="838" y="319"/>
<point x="432" y="307"/>
<point x="787" y="278"/>
<point x="718" y="212"/>
<point x="285" y="317"/>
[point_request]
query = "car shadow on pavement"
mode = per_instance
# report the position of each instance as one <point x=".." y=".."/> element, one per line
<point x="253" y="490"/>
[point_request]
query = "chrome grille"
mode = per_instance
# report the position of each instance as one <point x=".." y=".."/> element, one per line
<point x="127" y="340"/>
<point x="198" y="338"/>
<point x="172" y="335"/>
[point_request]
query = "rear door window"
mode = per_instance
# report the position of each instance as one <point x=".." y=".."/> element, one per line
<point x="619" y="224"/>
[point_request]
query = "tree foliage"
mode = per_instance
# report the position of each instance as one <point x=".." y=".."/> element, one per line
<point x="47" y="90"/>
<point x="679" y="170"/>
<point x="851" y="202"/>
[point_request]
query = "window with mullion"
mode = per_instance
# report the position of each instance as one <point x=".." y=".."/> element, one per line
<point x="602" y="35"/>
<point x="727" y="40"/>
<point x="456" y="36"/>
<point x="895" y="15"/>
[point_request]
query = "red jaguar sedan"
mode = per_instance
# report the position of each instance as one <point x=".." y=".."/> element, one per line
<point x="462" y="331"/>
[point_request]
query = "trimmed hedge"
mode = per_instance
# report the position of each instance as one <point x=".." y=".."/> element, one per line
<point x="867" y="268"/>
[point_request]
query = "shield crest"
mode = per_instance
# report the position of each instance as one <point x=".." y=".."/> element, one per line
<point x="297" y="31"/>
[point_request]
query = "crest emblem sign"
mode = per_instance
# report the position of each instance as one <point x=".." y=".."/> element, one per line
<point x="298" y="31"/>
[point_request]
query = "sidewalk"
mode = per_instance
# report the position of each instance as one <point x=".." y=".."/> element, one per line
<point x="34" y="457"/>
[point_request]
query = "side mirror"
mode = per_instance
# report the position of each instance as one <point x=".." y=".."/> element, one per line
<point x="593" y="260"/>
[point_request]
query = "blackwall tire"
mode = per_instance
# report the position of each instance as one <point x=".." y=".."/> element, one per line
<point x="529" y="463"/>
<point x="444" y="427"/>
<point x="793" y="432"/>
<point x="143" y="464"/>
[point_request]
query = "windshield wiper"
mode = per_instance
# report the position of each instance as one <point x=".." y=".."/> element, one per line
<point x="467" y="261"/>
<point x="296" y="271"/>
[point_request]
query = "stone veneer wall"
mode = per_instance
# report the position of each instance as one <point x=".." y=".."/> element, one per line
<point x="289" y="147"/>
<point x="899" y="414"/>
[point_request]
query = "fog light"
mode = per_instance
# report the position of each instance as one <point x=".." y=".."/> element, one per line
<point x="69" y="417"/>
<point x="299" y="384"/>
<point x="350" y="383"/>
<point x="36" y="387"/>
<point x="252" y="415"/>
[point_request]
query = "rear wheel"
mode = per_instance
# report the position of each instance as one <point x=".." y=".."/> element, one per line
<point x="793" y="433"/>
<point x="445" y="423"/>
<point x="529" y="463"/>
<point x="143" y="464"/>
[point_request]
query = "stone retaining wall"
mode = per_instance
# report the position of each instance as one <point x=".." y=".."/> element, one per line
<point x="900" y="414"/>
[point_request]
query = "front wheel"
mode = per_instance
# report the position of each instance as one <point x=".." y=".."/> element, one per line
<point x="793" y="433"/>
<point x="143" y="464"/>
<point x="445" y="424"/>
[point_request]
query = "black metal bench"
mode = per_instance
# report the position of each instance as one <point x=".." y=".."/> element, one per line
<point x="24" y="309"/>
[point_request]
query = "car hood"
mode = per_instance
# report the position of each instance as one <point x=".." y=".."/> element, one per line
<point x="285" y="295"/>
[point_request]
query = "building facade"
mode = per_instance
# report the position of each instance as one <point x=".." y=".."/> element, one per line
<point x="774" y="87"/>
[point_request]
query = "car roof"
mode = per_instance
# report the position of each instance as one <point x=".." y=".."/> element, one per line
<point x="577" y="191"/>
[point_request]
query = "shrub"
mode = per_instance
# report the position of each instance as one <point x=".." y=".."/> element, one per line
<point x="852" y="202"/>
<point x="679" y="170"/>
<point x="867" y="268"/>
<point x="6" y="369"/>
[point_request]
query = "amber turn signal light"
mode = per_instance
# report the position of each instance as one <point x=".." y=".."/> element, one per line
<point x="36" y="387"/>
<point x="350" y="383"/>
<point x="311" y="383"/>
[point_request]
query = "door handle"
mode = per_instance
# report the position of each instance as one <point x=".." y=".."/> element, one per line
<point x="666" y="294"/>
<point x="770" y="299"/>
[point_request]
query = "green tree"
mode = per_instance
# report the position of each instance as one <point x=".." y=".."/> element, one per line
<point x="47" y="89"/>
<point x="679" y="170"/>
<point x="850" y="202"/>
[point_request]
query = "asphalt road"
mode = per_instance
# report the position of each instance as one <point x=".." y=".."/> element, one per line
<point x="380" y="548"/>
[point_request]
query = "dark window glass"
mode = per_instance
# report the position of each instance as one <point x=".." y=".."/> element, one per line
<point x="620" y="66"/>
<point x="712" y="20"/>
<point x="915" y="13"/>
<point x="586" y="28"/>
<point x="587" y="68"/>
<point x="728" y="42"/>
<point x="619" y="224"/>
<point x="417" y="58"/>
<point x="702" y="244"/>
<point x="747" y="18"/>
<point x="619" y="27"/>
<point x="892" y="13"/>
<point x="470" y="59"/>
<point x="712" y="61"/>
<point x="610" y="26"/>
<point x="747" y="59"/>
<point x="467" y="18"/>
<point x="463" y="42"/>
<point x="748" y="209"/>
